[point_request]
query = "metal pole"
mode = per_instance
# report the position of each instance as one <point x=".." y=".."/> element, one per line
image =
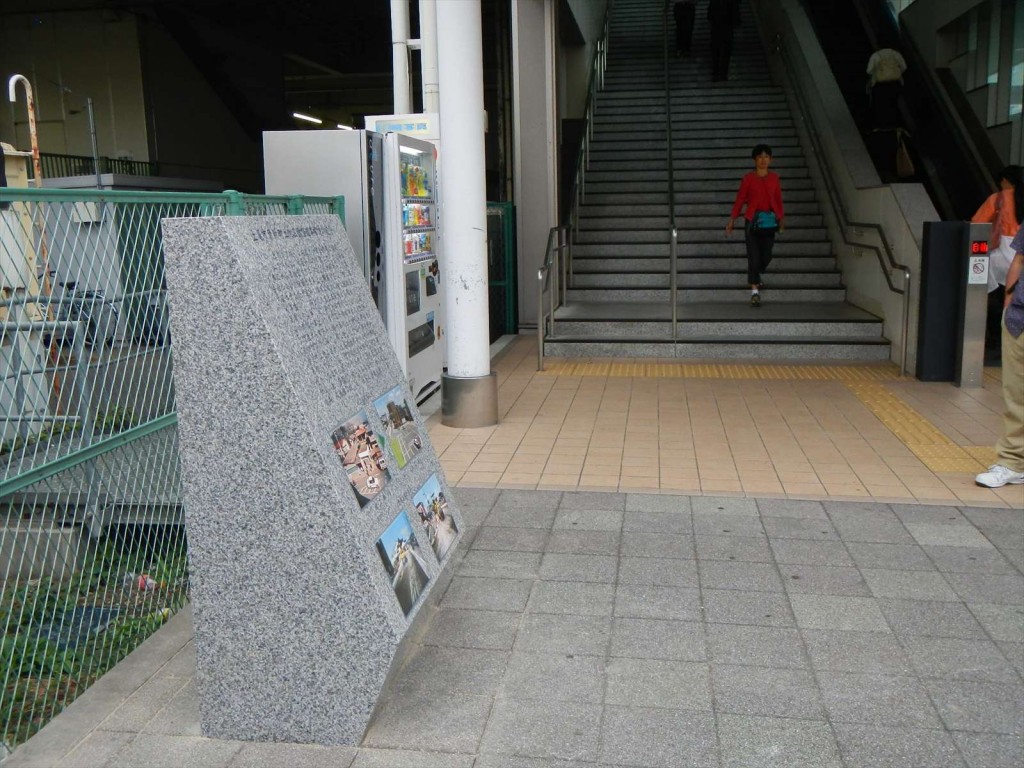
<point x="400" y="56"/>
<point x="673" y="280"/>
<point x="95" y="143"/>
<point x="540" y="319"/>
<point x="906" y="320"/>
<point x="30" y="102"/>
<point x="428" y="55"/>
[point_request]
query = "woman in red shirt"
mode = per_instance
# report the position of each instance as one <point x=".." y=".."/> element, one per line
<point x="760" y="193"/>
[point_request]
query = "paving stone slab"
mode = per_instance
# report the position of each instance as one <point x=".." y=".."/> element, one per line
<point x="514" y="498"/>
<point x="653" y="738"/>
<point x="584" y="542"/>
<point x="803" y="552"/>
<point x="658" y="571"/>
<point x="767" y="692"/>
<point x="576" y="519"/>
<point x="943" y="619"/>
<point x="657" y="639"/>
<point x="721" y="524"/>
<point x="459" y="628"/>
<point x="510" y="539"/>
<point x="756" y="646"/>
<point x="305" y="755"/>
<point x="555" y="677"/>
<point x="724" y="505"/>
<point x="908" y="585"/>
<point x="859" y="652"/>
<point x="836" y="612"/>
<point x="181" y="716"/>
<point x="433" y="670"/>
<point x="452" y="725"/>
<point x="567" y="634"/>
<point x="160" y="751"/>
<point x="944" y="535"/>
<point x="875" y="529"/>
<point x="823" y="580"/>
<point x="96" y="749"/>
<point x="751" y="549"/>
<point x="546" y="729"/>
<point x="487" y="594"/>
<point x="559" y="566"/>
<point x="650" y="502"/>
<point x="747" y="577"/>
<point x="990" y="750"/>
<point x="967" y="705"/>
<point x="866" y="746"/>
<point x="143" y="705"/>
<point x="658" y="522"/>
<point x="636" y="544"/>
<point x="572" y="597"/>
<point x="810" y="510"/>
<point x="1003" y="622"/>
<point x="765" y="742"/>
<point x="929" y="514"/>
<point x="593" y="500"/>
<point x="954" y="658"/>
<point x="643" y="601"/>
<point x="521" y="517"/>
<point x="659" y="684"/>
<point x="480" y="497"/>
<point x="877" y="700"/>
<point x="970" y="560"/>
<point x="984" y="588"/>
<point x="509" y="761"/>
<point x="500" y="565"/>
<point x="904" y="557"/>
<point x="799" y="528"/>
<point x="766" y="609"/>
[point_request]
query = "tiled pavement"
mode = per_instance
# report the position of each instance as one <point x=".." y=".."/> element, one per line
<point x="656" y="631"/>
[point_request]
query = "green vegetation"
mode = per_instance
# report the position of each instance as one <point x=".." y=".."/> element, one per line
<point x="108" y="421"/>
<point x="141" y="580"/>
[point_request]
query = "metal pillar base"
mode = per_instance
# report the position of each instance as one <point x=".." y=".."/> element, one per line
<point x="469" y="402"/>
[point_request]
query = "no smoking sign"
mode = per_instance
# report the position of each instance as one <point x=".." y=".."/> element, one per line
<point x="977" y="270"/>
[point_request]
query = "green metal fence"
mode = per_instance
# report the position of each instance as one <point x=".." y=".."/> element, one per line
<point x="92" y="548"/>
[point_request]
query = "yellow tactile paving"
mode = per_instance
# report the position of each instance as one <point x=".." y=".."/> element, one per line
<point x="929" y="444"/>
<point x="681" y="370"/>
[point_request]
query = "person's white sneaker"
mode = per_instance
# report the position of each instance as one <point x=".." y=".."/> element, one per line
<point x="997" y="476"/>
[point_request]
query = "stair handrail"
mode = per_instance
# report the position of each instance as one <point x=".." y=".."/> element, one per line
<point x="595" y="84"/>
<point x="839" y="207"/>
<point x="548" y="280"/>
<point x="673" y="278"/>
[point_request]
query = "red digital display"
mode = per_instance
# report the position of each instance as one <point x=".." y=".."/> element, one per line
<point x="979" y="246"/>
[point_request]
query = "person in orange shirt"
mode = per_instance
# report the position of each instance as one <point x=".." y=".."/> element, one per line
<point x="1004" y="210"/>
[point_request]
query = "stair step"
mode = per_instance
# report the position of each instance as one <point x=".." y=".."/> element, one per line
<point x="657" y="232"/>
<point x="718" y="199"/>
<point x="705" y="293"/>
<point x="625" y="263"/>
<point x="734" y="248"/>
<point x="592" y="210"/>
<point x="815" y="348"/>
<point x="715" y="279"/>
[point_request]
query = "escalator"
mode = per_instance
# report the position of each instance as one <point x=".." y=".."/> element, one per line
<point x="849" y="32"/>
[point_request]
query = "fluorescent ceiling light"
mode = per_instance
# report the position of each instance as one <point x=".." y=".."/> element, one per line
<point x="410" y="151"/>
<point x="307" y="118"/>
<point x="346" y="127"/>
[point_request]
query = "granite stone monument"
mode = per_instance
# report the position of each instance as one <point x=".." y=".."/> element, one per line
<point x="318" y="517"/>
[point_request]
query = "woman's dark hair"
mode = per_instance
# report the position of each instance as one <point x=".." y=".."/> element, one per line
<point x="761" y="149"/>
<point x="1015" y="175"/>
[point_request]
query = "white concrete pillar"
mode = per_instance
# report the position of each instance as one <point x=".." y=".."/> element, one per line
<point x="400" y="56"/>
<point x="428" y="55"/>
<point x="469" y="390"/>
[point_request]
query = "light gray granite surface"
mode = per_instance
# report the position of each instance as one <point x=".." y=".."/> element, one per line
<point x="276" y="345"/>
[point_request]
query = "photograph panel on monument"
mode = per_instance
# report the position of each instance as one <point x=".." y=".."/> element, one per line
<point x="432" y="508"/>
<point x="399" y="550"/>
<point x="400" y="431"/>
<point x="362" y="457"/>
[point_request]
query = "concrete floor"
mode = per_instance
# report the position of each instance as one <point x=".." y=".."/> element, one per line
<point x="655" y="631"/>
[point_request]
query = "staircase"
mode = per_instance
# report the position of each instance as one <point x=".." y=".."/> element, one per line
<point x="618" y="302"/>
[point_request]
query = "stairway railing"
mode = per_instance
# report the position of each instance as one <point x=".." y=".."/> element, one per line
<point x="595" y="84"/>
<point x="888" y="264"/>
<point x="673" y="277"/>
<point x="548" y="280"/>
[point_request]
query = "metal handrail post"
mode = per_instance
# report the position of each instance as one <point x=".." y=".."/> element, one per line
<point x="906" y="321"/>
<point x="674" y="281"/>
<point x="553" y="289"/>
<point x="540" y="319"/>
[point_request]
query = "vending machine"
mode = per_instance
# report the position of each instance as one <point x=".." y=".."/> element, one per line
<point x="411" y="261"/>
<point x="331" y="163"/>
